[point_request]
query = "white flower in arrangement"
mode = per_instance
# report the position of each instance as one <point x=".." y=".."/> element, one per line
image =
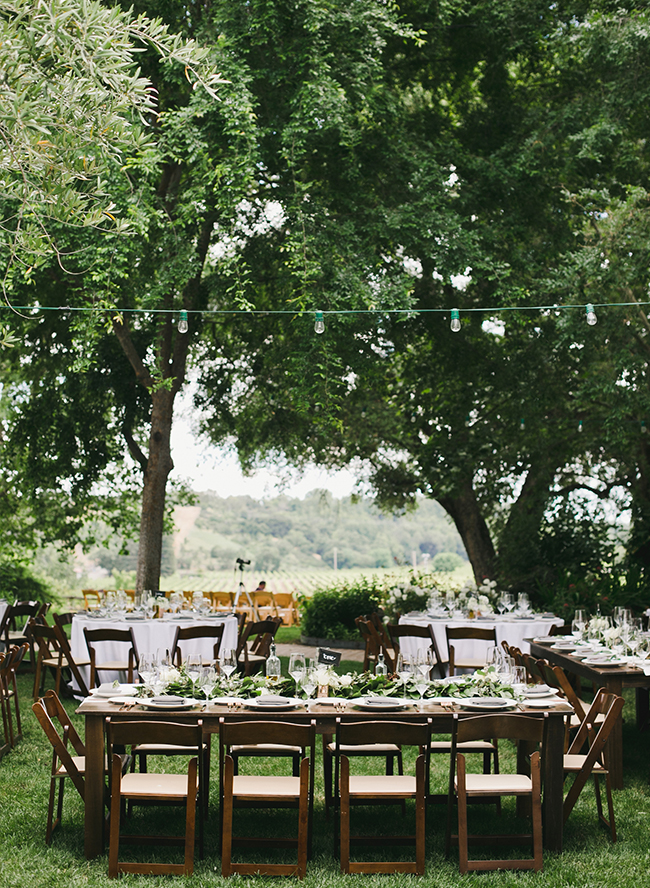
<point x="472" y="604"/>
<point x="323" y="675"/>
<point x="344" y="681"/>
<point x="612" y="634"/>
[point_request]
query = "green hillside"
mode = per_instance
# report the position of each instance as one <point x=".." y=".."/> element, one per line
<point x="287" y="533"/>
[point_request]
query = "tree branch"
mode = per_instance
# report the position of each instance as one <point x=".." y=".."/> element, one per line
<point x="123" y="334"/>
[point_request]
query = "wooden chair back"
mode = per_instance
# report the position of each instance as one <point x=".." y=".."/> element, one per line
<point x="221" y="600"/>
<point x="287" y="608"/>
<point x="404" y="630"/>
<point x="60" y="622"/>
<point x="191" y="633"/>
<point x="9" y="694"/>
<point x="456" y="633"/>
<point x="254" y="645"/>
<point x="371" y="641"/>
<point x="263" y="605"/>
<point x="120" y="636"/>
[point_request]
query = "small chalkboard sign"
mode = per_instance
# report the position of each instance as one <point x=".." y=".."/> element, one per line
<point x="328" y="658"/>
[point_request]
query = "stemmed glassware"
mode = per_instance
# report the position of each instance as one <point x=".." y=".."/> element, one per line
<point x="147" y="668"/>
<point x="193" y="665"/>
<point x="207" y="680"/>
<point x="309" y="680"/>
<point x="404" y="668"/>
<point x="227" y="662"/>
<point x="297" y="667"/>
<point x="424" y="664"/>
<point x="508" y="601"/>
<point x="579" y="623"/>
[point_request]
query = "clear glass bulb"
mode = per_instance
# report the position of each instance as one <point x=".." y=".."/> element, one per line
<point x="591" y="315"/>
<point x="319" y="326"/>
<point x="182" y="322"/>
<point x="455" y="320"/>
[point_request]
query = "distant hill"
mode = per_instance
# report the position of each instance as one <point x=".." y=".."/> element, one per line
<point x="290" y="533"/>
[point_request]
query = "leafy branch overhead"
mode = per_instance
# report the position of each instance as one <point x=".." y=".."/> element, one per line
<point x="73" y="103"/>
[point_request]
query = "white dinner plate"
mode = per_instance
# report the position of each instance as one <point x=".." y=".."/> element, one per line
<point x="540" y="691"/>
<point x="267" y="703"/>
<point x="120" y="701"/>
<point x="486" y="704"/>
<point x="224" y="701"/>
<point x="175" y="706"/>
<point x="383" y="704"/>
<point x="597" y="661"/>
<point x="125" y="690"/>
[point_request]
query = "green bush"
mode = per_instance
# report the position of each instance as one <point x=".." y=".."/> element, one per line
<point x="446" y="561"/>
<point x="330" y="612"/>
<point x="620" y="586"/>
<point x="18" y="583"/>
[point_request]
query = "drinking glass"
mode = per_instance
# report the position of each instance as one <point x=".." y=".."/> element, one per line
<point x="227" y="662"/>
<point x="207" y="680"/>
<point x="508" y="601"/>
<point x="193" y="666"/>
<point x="309" y="681"/>
<point x="404" y="668"/>
<point x="297" y="667"/>
<point x="147" y="668"/>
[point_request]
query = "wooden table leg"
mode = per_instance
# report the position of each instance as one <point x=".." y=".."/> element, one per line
<point x="94" y="801"/>
<point x="553" y="781"/>
<point x="614" y="746"/>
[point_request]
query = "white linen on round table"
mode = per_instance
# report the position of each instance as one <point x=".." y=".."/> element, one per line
<point x="150" y="636"/>
<point x="513" y="631"/>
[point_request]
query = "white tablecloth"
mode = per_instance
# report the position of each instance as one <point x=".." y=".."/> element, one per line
<point x="150" y="636"/>
<point x="513" y="631"/>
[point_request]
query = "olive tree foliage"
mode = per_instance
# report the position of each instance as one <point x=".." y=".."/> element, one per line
<point x="72" y="103"/>
<point x="506" y="132"/>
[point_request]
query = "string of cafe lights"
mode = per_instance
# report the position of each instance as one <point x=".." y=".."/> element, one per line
<point x="319" y="315"/>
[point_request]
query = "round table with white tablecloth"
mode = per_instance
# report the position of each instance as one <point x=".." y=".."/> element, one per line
<point x="511" y="629"/>
<point x="150" y="636"/>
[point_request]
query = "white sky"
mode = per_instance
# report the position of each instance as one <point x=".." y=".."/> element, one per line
<point x="211" y="468"/>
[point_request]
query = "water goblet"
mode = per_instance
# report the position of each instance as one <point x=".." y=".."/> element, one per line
<point x="309" y="681"/>
<point x="404" y="669"/>
<point x="227" y="663"/>
<point x="297" y="667"/>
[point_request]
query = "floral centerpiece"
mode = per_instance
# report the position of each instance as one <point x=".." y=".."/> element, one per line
<point x="405" y="597"/>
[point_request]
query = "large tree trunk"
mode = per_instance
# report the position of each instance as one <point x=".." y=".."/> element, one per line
<point x="159" y="465"/>
<point x="466" y="514"/>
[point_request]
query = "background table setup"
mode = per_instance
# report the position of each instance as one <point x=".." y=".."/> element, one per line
<point x="150" y="636"/>
<point x="513" y="629"/>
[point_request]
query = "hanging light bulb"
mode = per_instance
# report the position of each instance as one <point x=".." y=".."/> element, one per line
<point x="455" y="320"/>
<point x="182" y="322"/>
<point x="468" y="421"/>
<point x="591" y="315"/>
<point x="319" y="326"/>
<point x="580" y="426"/>
<point x="644" y="428"/>
<point x="522" y="425"/>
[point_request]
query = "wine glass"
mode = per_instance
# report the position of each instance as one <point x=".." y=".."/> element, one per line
<point x="297" y="667"/>
<point x="309" y="681"/>
<point x="193" y="666"/>
<point x="207" y="680"/>
<point x="404" y="669"/>
<point x="227" y="662"/>
<point x="147" y="668"/>
<point x="508" y="601"/>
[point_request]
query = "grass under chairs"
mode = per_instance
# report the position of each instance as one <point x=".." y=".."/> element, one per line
<point x="589" y="858"/>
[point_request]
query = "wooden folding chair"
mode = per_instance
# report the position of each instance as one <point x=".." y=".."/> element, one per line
<point x="464" y="787"/>
<point x="382" y="789"/>
<point x="476" y="633"/>
<point x="254" y="645"/>
<point x="372" y="642"/>
<point x="263" y="605"/>
<point x="286" y="608"/>
<point x="221" y="601"/>
<point x="191" y="633"/>
<point x="75" y="665"/>
<point x="116" y="636"/>
<point x="154" y="789"/>
<point x="399" y="631"/>
<point x="592" y="764"/>
<point x="266" y="792"/>
<point x="16" y="622"/>
<point x="68" y="755"/>
<point x="9" y="694"/>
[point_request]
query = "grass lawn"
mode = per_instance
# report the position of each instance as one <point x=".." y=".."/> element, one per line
<point x="589" y="858"/>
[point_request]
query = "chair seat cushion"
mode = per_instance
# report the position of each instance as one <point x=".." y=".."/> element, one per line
<point x="171" y="786"/>
<point x="469" y="663"/>
<point x="265" y="749"/>
<point x="163" y="749"/>
<point x="367" y="749"/>
<point x="265" y="787"/>
<point x="576" y="762"/>
<point x="467" y="746"/>
<point x="377" y="785"/>
<point x="502" y="784"/>
<point x="113" y="665"/>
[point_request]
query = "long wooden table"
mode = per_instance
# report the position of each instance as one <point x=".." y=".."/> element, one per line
<point x="614" y="680"/>
<point x="96" y="710"/>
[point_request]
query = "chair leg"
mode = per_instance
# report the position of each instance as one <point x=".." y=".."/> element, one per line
<point x="420" y="814"/>
<point x="328" y="765"/>
<point x="344" y="808"/>
<point x="303" y="820"/>
<point x="226" y="818"/>
<point x="463" y="863"/>
<point x="536" y="779"/>
<point x="116" y="810"/>
<point x="190" y="818"/>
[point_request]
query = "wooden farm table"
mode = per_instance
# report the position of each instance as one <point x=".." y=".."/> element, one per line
<point x="96" y="710"/>
<point x="614" y="680"/>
